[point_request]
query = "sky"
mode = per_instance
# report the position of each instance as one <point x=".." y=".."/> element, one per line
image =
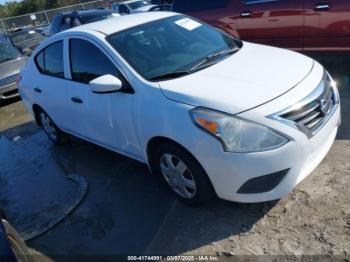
<point x="4" y="1"/>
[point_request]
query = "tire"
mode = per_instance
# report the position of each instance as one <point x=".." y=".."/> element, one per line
<point x="19" y="248"/>
<point x="183" y="174"/>
<point x="51" y="130"/>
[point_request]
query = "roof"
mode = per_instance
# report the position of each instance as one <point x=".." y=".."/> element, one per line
<point x="117" y="24"/>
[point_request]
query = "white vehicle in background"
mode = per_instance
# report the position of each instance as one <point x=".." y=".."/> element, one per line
<point x="132" y="7"/>
<point x="210" y="113"/>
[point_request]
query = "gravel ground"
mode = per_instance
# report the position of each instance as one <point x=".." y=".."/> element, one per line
<point x="313" y="220"/>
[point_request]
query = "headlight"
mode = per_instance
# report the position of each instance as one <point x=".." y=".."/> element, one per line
<point x="237" y="135"/>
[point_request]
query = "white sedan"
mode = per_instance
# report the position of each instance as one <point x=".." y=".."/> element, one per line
<point x="213" y="115"/>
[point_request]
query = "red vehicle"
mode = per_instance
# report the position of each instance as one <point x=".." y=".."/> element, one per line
<point x="309" y="26"/>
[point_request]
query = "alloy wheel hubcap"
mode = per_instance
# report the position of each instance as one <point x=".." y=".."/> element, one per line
<point x="178" y="176"/>
<point x="48" y="126"/>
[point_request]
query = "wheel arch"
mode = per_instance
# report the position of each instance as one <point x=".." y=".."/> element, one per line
<point x="156" y="141"/>
<point x="36" y="111"/>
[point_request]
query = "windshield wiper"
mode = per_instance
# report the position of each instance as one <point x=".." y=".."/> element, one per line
<point x="201" y="64"/>
<point x="212" y="57"/>
<point x="170" y="75"/>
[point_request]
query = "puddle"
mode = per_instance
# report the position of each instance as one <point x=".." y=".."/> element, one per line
<point x="37" y="188"/>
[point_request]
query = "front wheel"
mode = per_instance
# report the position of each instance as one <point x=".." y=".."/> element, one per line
<point x="183" y="174"/>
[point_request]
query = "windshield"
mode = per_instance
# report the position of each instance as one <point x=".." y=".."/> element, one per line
<point x="86" y="19"/>
<point x="138" y="4"/>
<point x="8" y="53"/>
<point x="24" y="36"/>
<point x="169" y="45"/>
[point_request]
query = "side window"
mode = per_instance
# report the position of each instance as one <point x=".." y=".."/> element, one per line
<point x="88" y="62"/>
<point x="123" y="9"/>
<point x="115" y="7"/>
<point x="50" y="60"/>
<point x="65" y="24"/>
<point x="198" y="5"/>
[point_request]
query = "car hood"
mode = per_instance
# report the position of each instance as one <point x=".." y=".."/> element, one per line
<point x="251" y="77"/>
<point x="12" y="67"/>
<point x="30" y="44"/>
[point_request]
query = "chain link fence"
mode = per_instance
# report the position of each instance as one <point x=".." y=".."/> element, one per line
<point x="44" y="17"/>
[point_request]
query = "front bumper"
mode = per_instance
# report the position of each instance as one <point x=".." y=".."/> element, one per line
<point x="230" y="171"/>
<point x="9" y="91"/>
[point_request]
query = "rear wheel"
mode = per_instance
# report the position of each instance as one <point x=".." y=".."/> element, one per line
<point x="51" y="130"/>
<point x="183" y="174"/>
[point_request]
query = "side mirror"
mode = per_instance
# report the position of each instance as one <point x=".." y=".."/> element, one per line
<point x="105" y="84"/>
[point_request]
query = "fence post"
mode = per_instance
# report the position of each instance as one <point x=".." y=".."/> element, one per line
<point x="82" y="5"/>
<point x="2" y="24"/>
<point x="47" y="18"/>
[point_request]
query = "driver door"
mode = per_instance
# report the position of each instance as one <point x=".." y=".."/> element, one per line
<point x="106" y="115"/>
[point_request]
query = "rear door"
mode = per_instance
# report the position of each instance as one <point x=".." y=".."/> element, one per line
<point x="272" y="22"/>
<point x="327" y="26"/>
<point x="50" y="85"/>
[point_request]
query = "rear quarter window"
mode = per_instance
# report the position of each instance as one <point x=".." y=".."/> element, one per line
<point x="50" y="60"/>
<point x="39" y="61"/>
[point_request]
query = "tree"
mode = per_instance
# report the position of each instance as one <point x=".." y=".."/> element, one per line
<point x="13" y="8"/>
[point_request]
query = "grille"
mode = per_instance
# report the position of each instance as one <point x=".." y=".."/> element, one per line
<point x="8" y="80"/>
<point x="310" y="114"/>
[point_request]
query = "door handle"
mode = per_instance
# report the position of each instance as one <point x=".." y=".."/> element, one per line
<point x="246" y="14"/>
<point x="38" y="90"/>
<point x="77" y="100"/>
<point x="322" y="7"/>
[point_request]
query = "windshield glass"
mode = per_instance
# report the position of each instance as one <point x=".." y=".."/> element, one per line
<point x="24" y="36"/>
<point x="86" y="19"/>
<point x="138" y="4"/>
<point x="169" y="45"/>
<point x="8" y="53"/>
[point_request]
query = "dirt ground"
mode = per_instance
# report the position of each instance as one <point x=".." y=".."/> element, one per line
<point x="129" y="211"/>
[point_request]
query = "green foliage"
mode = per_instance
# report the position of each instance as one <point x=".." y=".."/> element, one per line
<point x="13" y="8"/>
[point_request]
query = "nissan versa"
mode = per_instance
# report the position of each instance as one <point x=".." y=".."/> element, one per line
<point x="211" y="114"/>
